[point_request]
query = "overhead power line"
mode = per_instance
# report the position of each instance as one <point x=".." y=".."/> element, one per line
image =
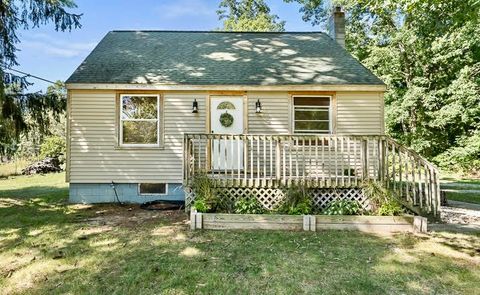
<point x="28" y="75"/>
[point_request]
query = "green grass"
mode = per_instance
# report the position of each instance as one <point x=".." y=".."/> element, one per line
<point x="48" y="246"/>
<point x="462" y="189"/>
<point x="460" y="180"/>
<point x="464" y="197"/>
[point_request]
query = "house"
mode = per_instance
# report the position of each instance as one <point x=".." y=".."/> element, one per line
<point x="147" y="110"/>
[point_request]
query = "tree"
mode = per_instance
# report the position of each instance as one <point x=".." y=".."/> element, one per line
<point x="428" y="54"/>
<point x="248" y="15"/>
<point x="21" y="111"/>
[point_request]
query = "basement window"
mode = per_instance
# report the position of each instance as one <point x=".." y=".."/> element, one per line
<point x="140" y="120"/>
<point x="312" y="114"/>
<point x="152" y="188"/>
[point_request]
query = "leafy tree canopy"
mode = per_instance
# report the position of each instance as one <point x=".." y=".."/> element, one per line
<point x="21" y="111"/>
<point x="248" y="15"/>
<point x="428" y="54"/>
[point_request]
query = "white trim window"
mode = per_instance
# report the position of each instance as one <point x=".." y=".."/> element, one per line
<point x="312" y="114"/>
<point x="139" y="120"/>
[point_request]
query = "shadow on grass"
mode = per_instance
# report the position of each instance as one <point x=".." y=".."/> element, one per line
<point x="51" y="247"/>
<point x="169" y="259"/>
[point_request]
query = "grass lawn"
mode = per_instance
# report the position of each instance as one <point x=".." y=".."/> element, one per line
<point x="463" y="190"/>
<point x="50" y="247"/>
<point x="464" y="197"/>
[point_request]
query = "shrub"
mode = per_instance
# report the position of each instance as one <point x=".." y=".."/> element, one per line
<point x="249" y="206"/>
<point x="343" y="207"/>
<point x="203" y="187"/>
<point x="201" y="206"/>
<point x="297" y="201"/>
<point x="208" y="195"/>
<point x="465" y="157"/>
<point x="302" y="208"/>
<point x="383" y="202"/>
<point x="53" y="147"/>
<point x="390" y="208"/>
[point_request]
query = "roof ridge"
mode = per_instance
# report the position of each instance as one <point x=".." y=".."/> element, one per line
<point x="221" y="32"/>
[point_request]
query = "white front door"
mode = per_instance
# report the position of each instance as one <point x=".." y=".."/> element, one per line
<point x="226" y="117"/>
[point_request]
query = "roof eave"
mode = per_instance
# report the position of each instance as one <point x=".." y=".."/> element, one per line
<point x="184" y="87"/>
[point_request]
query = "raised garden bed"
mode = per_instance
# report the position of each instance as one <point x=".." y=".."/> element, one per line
<point x="372" y="224"/>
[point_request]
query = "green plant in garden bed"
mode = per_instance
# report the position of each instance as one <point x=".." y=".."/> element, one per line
<point x="201" y="206"/>
<point x="249" y="205"/>
<point x="298" y="200"/>
<point x="390" y="208"/>
<point x="343" y="207"/>
<point x="381" y="200"/>
<point x="208" y="197"/>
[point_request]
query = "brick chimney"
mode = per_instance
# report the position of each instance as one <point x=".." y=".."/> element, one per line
<point x="336" y="25"/>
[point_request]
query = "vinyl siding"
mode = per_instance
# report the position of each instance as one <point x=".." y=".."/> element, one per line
<point x="275" y="115"/>
<point x="359" y="113"/>
<point x="95" y="157"/>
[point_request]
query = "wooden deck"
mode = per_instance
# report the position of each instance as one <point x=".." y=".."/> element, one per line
<point x="319" y="161"/>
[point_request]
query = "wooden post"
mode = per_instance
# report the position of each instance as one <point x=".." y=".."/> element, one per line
<point x="364" y="150"/>
<point x="335" y="154"/>
<point x="420" y="224"/>
<point x="414" y="183"/>
<point x="407" y="183"/>
<point x="187" y="160"/>
<point x="277" y="160"/>
<point x="427" y="186"/>
<point x="436" y="192"/>
<point x="355" y="142"/>
<point x="342" y="166"/>
<point x="309" y="223"/>
<point x="239" y="159"/>
<point x="271" y="163"/>
<point x="324" y="182"/>
<point x="306" y="222"/>
<point x="198" y="220"/>
<point x="400" y="183"/>
<point x="381" y="163"/>
<point x="316" y="161"/>
<point x="245" y="160"/>
<point x="394" y="172"/>
<point x="194" y="219"/>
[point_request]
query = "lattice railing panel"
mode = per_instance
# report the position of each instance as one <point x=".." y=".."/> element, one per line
<point x="271" y="198"/>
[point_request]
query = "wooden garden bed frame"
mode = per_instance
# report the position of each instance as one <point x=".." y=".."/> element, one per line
<point x="371" y="224"/>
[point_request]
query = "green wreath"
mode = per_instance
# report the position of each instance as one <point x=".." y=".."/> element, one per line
<point x="226" y="119"/>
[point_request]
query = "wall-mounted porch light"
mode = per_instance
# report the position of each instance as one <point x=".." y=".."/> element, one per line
<point x="258" y="106"/>
<point x="195" y="106"/>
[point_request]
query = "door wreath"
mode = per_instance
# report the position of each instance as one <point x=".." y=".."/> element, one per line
<point x="226" y="119"/>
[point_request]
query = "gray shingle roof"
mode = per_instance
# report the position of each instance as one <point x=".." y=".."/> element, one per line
<point x="221" y="58"/>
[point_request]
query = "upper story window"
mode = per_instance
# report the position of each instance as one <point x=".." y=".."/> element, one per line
<point x="312" y="114"/>
<point x="139" y="120"/>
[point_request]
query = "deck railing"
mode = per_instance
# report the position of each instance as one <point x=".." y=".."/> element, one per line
<point x="321" y="161"/>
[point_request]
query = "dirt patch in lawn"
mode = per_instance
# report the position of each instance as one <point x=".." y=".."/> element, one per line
<point x="110" y="216"/>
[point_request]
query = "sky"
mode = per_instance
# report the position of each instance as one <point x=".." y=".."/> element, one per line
<point x="55" y="55"/>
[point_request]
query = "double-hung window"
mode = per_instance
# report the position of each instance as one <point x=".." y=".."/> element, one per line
<point x="139" y="120"/>
<point x="312" y="114"/>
